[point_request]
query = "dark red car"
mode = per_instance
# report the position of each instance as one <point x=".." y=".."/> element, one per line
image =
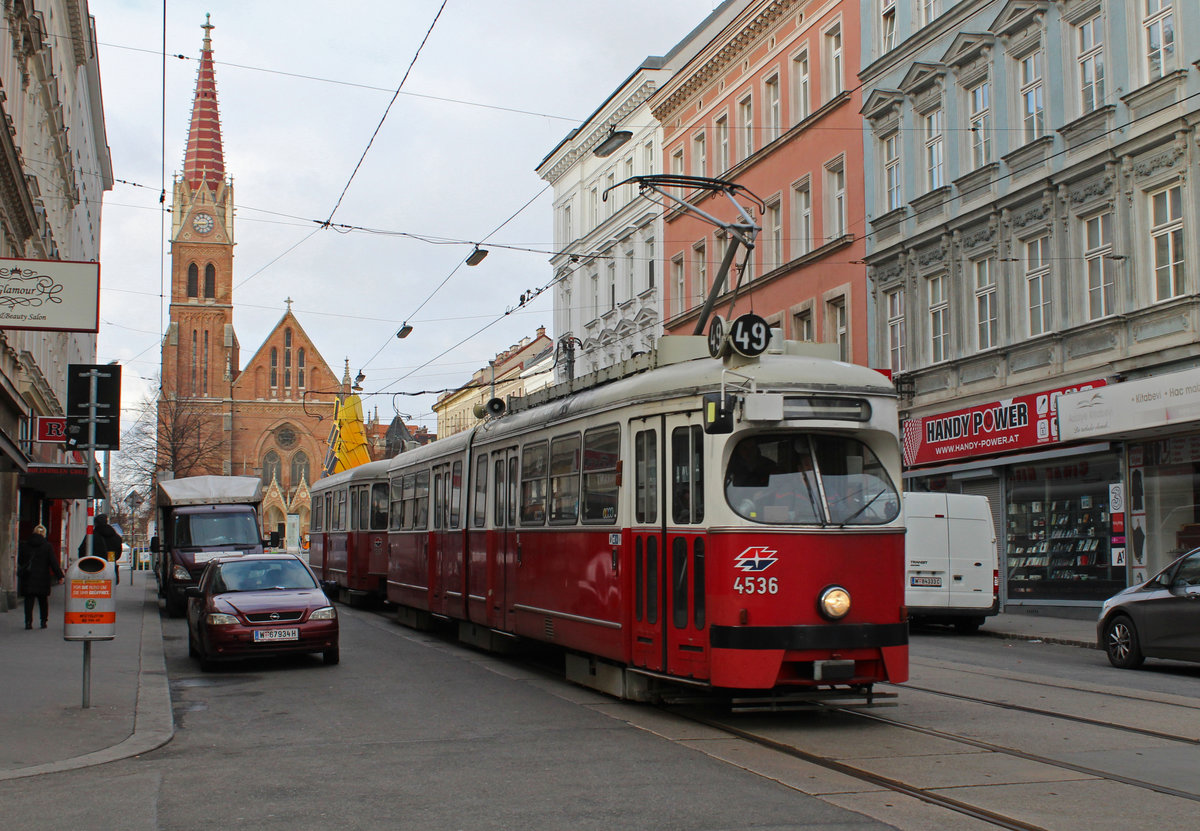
<point x="256" y="605"/>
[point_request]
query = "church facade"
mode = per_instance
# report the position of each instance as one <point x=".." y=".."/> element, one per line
<point x="270" y="418"/>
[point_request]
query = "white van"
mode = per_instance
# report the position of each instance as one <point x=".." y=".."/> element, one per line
<point x="953" y="567"/>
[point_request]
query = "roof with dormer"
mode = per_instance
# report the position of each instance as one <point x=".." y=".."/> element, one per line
<point x="204" y="159"/>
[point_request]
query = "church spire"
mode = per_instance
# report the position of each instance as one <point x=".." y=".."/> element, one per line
<point x="204" y="160"/>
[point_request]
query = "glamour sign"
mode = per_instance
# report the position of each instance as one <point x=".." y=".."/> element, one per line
<point x="996" y="427"/>
<point x="49" y="295"/>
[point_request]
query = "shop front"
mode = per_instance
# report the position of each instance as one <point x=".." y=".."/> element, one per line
<point x="1057" y="505"/>
<point x="1158" y="421"/>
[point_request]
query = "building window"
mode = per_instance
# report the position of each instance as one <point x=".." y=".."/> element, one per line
<point x="774" y="116"/>
<point x="930" y="9"/>
<point x="204" y="365"/>
<point x="1090" y="36"/>
<point x="1037" y="283"/>
<point x="609" y="181"/>
<point x="274" y="367"/>
<point x="1097" y="256"/>
<point x="568" y="230"/>
<point x="648" y="158"/>
<point x="939" y="319"/>
<point x="300" y="368"/>
<point x="1032" y="106"/>
<point x="195" y="360"/>
<point x="210" y="281"/>
<point x="801" y="84"/>
<point x="650" y="263"/>
<point x="612" y="285"/>
<point x="300" y="471"/>
<point x="193" y="281"/>
<point x="985" y="303"/>
<point x="700" y="270"/>
<point x="1159" y="23"/>
<point x="835" y="184"/>
<point x="887" y="26"/>
<point x="1167" y="236"/>
<point x="840" y="323"/>
<point x="679" y="283"/>
<point x="802" y="325"/>
<point x="897" y="336"/>
<point x="979" y="99"/>
<point x="746" y="125"/>
<point x="630" y="275"/>
<point x="934" y="150"/>
<point x="699" y="155"/>
<point x="891" y="172"/>
<point x="773" y="220"/>
<point x="802" y="206"/>
<point x="722" y="144"/>
<point x="833" y="61"/>
<point x="595" y="295"/>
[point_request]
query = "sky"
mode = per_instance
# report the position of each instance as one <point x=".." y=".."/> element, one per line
<point x="302" y="87"/>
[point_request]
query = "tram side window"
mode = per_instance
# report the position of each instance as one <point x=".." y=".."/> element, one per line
<point x="645" y="450"/>
<point x="439" y="499"/>
<point x="512" y="491"/>
<point x="315" y="522"/>
<point x="498" y="488"/>
<point x="396" y="518"/>
<point x="455" y="483"/>
<point x="564" y="480"/>
<point x="353" y="518"/>
<point x="601" y="463"/>
<point x="339" y="508"/>
<point x="687" y="475"/>
<point x="679" y="580"/>
<point x="379" y="506"/>
<point x="329" y="522"/>
<point x="364" y="509"/>
<point x="421" y="501"/>
<point x="408" y="517"/>
<point x="534" y="458"/>
<point x="479" y="514"/>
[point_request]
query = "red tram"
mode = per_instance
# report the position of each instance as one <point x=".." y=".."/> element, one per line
<point x="731" y="526"/>
<point x="351" y="550"/>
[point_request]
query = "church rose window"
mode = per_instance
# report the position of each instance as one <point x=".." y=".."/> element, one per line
<point x="285" y="437"/>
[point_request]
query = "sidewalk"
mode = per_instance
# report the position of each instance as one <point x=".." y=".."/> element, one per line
<point x="1030" y="627"/>
<point x="43" y="725"/>
<point x="44" y="728"/>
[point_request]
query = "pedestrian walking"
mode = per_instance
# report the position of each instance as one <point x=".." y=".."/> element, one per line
<point x="106" y="542"/>
<point x="37" y="571"/>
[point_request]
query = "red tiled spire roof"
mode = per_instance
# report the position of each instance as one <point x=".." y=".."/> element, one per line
<point x="204" y="160"/>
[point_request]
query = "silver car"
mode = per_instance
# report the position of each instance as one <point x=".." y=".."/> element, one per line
<point x="1156" y="619"/>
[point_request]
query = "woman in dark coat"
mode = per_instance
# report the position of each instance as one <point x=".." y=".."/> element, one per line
<point x="37" y="571"/>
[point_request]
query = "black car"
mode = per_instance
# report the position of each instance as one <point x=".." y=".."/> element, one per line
<point x="1156" y="619"/>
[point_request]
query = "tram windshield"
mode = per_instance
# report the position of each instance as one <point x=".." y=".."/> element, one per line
<point x="806" y="479"/>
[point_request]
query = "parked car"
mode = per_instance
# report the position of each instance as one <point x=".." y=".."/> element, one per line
<point x="255" y="605"/>
<point x="1156" y="619"/>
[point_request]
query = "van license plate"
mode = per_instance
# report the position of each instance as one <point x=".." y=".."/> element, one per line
<point x="925" y="581"/>
<point x="261" y="635"/>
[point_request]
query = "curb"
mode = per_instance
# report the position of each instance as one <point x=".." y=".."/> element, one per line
<point x="153" y="722"/>
<point x="1060" y="641"/>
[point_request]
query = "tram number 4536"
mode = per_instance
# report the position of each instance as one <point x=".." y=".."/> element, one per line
<point x="756" y="585"/>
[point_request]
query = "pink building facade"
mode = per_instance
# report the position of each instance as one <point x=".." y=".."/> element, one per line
<point x="772" y="103"/>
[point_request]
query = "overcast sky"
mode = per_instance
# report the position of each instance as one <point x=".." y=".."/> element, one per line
<point x="301" y="87"/>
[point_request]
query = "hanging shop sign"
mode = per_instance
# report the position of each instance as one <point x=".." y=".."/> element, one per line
<point x="50" y="295"/>
<point x="1016" y="423"/>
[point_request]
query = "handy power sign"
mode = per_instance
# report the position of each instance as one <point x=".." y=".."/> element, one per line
<point x="996" y="427"/>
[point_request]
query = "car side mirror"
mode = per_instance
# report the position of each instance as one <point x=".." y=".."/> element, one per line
<point x="193" y="591"/>
<point x="154" y="544"/>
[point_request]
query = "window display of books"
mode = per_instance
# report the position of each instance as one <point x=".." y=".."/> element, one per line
<point x="1060" y="539"/>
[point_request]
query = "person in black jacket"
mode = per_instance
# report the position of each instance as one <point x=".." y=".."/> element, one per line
<point x="37" y="571"/>
<point x="106" y="543"/>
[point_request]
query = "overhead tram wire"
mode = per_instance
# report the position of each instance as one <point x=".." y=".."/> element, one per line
<point x="387" y="110"/>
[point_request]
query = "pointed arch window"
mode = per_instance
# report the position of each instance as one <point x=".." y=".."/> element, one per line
<point x="299" y="469"/>
<point x="274" y="367"/>
<point x="300" y="367"/>
<point x="271" y="467"/>
<point x="210" y="281"/>
<point x="194" y="359"/>
<point x="193" y="281"/>
<point x="204" y="365"/>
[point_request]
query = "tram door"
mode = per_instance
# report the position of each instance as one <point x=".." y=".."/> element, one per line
<point x="668" y="544"/>
<point x="504" y="549"/>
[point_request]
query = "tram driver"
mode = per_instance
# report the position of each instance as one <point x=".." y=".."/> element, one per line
<point x="771" y="479"/>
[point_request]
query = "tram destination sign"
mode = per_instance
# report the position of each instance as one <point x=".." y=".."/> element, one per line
<point x="1016" y="423"/>
<point x="50" y="295"/>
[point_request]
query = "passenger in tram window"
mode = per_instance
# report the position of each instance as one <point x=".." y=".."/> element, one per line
<point x="749" y="467"/>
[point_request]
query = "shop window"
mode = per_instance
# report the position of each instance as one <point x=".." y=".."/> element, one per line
<point x="1062" y="541"/>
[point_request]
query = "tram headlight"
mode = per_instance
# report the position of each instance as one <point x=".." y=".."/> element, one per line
<point x="834" y="602"/>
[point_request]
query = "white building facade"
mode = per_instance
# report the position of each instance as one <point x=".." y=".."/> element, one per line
<point x="1034" y="205"/>
<point x="54" y="169"/>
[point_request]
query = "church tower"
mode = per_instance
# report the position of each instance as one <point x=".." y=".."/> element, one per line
<point x="200" y="355"/>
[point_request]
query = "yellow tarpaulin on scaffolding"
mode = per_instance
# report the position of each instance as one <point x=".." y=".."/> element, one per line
<point x="348" y="438"/>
